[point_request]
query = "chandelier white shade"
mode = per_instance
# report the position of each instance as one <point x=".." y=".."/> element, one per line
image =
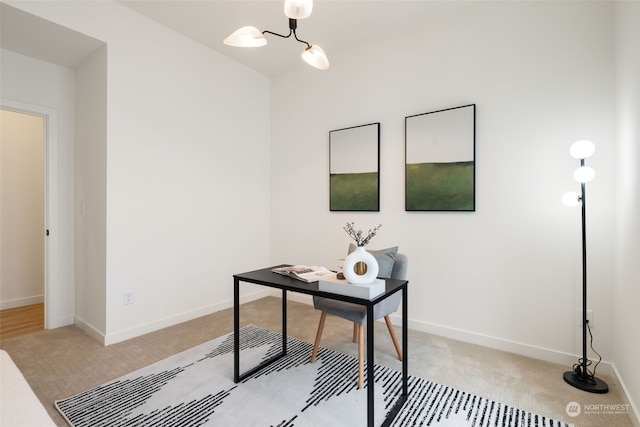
<point x="298" y="9"/>
<point x="315" y="57"/>
<point x="246" y="37"/>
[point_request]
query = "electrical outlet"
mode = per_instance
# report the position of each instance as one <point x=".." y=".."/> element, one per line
<point x="128" y="297"/>
<point x="589" y="318"/>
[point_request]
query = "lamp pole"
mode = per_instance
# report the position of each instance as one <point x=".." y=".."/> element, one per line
<point x="580" y="377"/>
<point x="584" y="272"/>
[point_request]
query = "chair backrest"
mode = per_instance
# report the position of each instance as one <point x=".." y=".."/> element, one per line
<point x="400" y="265"/>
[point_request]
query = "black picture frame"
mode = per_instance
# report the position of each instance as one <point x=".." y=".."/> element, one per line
<point x="440" y="160"/>
<point x="354" y="168"/>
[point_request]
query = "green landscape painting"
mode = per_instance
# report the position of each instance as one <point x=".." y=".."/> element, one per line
<point x="354" y="191"/>
<point x="354" y="165"/>
<point x="440" y="186"/>
<point x="440" y="166"/>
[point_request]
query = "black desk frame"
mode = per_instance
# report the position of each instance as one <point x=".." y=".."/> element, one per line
<point x="266" y="277"/>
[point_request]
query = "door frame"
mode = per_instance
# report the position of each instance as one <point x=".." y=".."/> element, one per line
<point x="50" y="116"/>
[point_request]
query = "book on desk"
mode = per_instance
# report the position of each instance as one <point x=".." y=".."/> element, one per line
<point x="305" y="273"/>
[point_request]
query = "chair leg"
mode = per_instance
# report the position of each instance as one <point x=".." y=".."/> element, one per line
<point x="394" y="338"/>
<point x="355" y="332"/>
<point x="316" y="344"/>
<point x="360" y="355"/>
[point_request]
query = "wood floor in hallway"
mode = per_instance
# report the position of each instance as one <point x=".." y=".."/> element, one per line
<point x="21" y="320"/>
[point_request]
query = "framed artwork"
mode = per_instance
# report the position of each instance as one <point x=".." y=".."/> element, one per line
<point x="354" y="165"/>
<point x="440" y="160"/>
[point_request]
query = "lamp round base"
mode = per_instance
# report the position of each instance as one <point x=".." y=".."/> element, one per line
<point x="585" y="383"/>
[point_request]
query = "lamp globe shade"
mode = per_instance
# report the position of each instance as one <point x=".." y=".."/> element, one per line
<point x="582" y="149"/>
<point x="298" y="9"/>
<point x="246" y="37"/>
<point x="570" y="199"/>
<point x="315" y="57"/>
<point x="584" y="174"/>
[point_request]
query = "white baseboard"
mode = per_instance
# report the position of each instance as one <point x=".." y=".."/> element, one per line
<point x="166" y="322"/>
<point x="522" y="349"/>
<point x="634" y="411"/>
<point x="527" y="350"/>
<point x="123" y="335"/>
<point x="474" y="338"/>
<point x="21" y="302"/>
<point x="61" y="321"/>
<point x="89" y="330"/>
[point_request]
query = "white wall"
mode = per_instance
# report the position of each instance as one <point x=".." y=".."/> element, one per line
<point x="508" y="275"/>
<point x="32" y="85"/>
<point x="187" y="151"/>
<point x="91" y="193"/>
<point x="22" y="179"/>
<point x="627" y="283"/>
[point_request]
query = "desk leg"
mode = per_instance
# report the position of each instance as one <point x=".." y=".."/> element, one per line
<point x="237" y="377"/>
<point x="402" y="398"/>
<point x="236" y="330"/>
<point x="284" y="321"/>
<point x="370" y="366"/>
<point x="405" y="341"/>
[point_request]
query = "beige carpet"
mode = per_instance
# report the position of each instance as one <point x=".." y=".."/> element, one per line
<point x="61" y="362"/>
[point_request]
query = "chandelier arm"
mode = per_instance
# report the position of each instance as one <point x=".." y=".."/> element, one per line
<point x="280" y="35"/>
<point x="301" y="41"/>
<point x="293" y="24"/>
<point x="250" y="37"/>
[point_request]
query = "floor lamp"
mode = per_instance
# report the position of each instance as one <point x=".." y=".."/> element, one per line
<point x="580" y="377"/>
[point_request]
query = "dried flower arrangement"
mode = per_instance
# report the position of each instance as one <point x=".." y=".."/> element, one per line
<point x="358" y="236"/>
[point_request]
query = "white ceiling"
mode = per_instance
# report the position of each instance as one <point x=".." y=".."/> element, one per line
<point x="335" y="25"/>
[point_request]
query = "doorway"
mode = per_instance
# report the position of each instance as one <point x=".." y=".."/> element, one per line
<point x="23" y="272"/>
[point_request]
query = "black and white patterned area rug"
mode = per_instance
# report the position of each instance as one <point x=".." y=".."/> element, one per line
<point x="196" y="388"/>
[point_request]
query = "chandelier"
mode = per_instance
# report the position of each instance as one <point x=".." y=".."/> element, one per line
<point x="294" y="9"/>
